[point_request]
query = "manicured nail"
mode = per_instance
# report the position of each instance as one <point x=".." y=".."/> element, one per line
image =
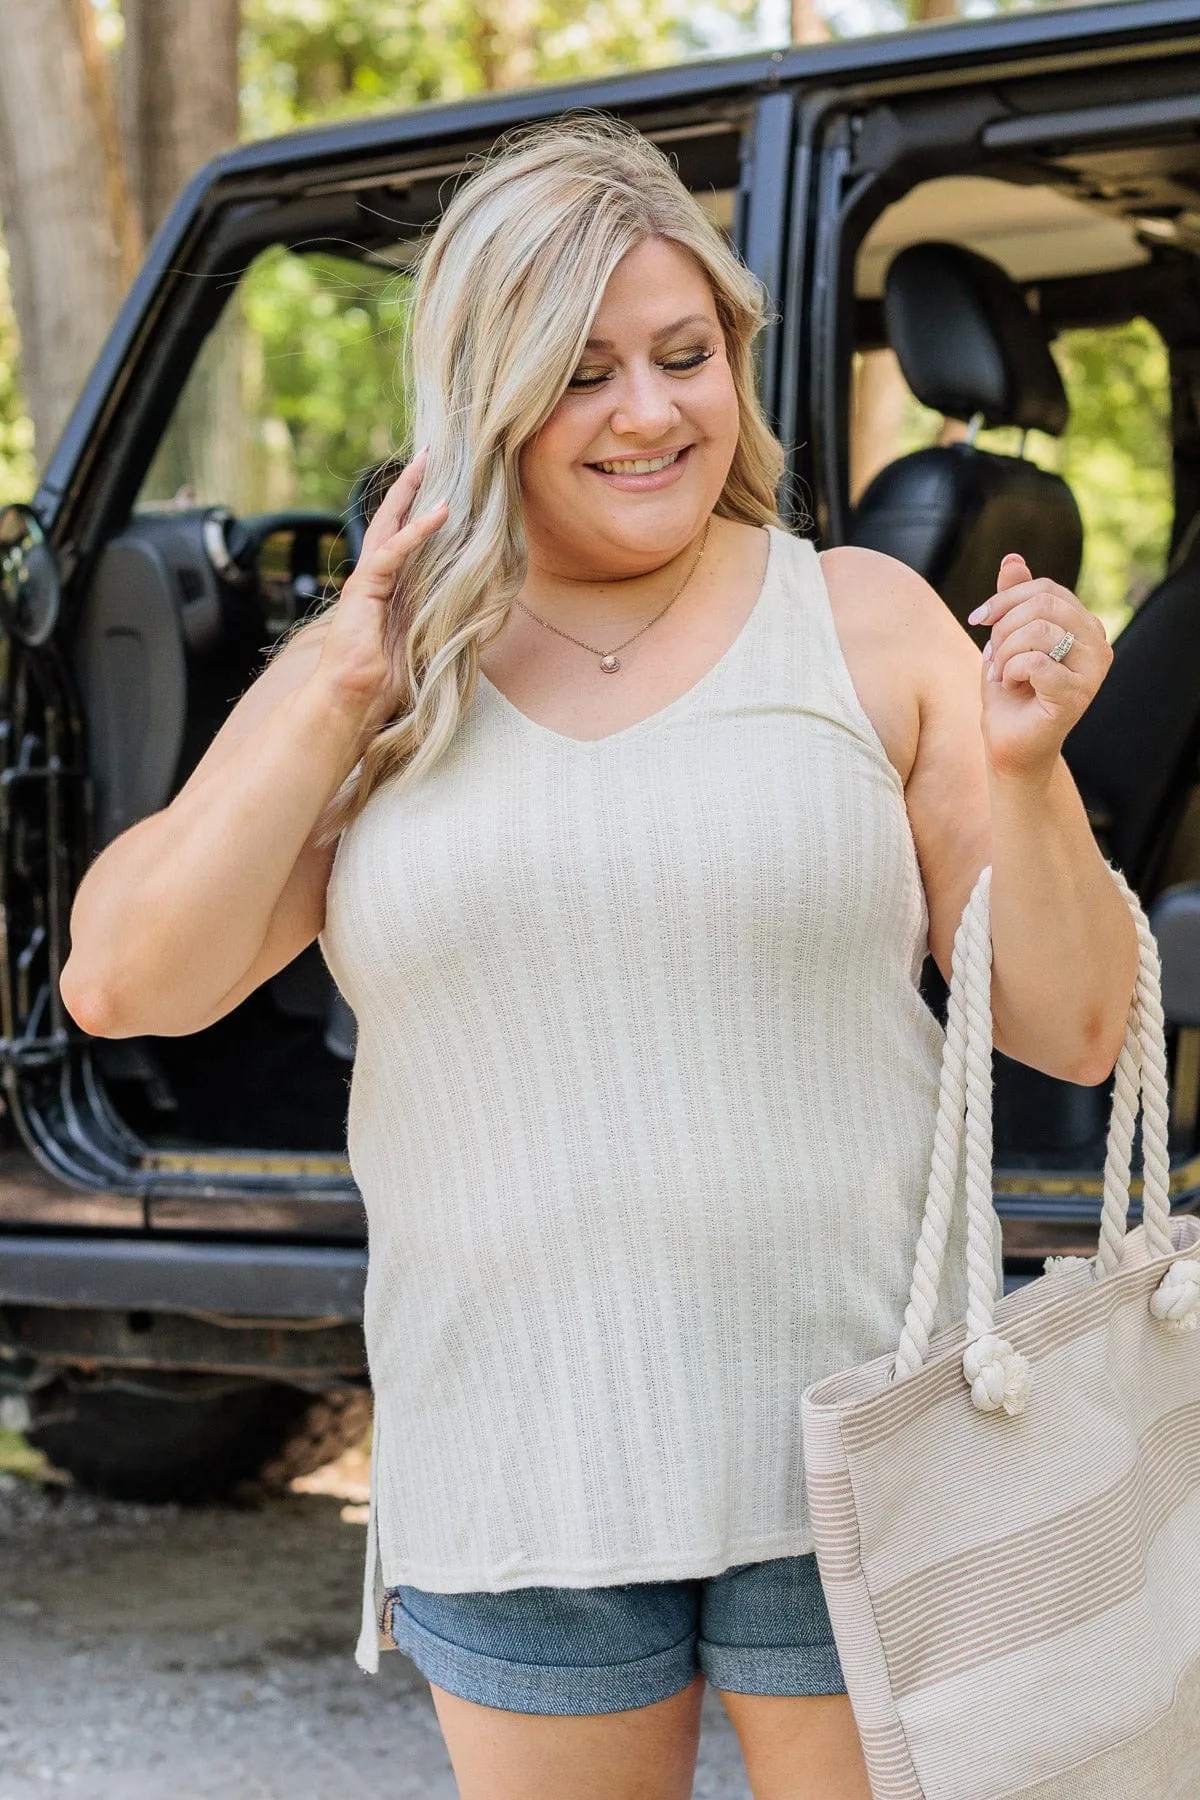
<point x="421" y="454"/>
<point x="987" y="651"/>
<point x="980" y="613"/>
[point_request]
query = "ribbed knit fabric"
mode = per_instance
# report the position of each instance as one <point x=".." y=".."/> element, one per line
<point x="641" y="1115"/>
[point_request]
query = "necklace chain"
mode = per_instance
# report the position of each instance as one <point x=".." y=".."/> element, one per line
<point x="608" y="658"/>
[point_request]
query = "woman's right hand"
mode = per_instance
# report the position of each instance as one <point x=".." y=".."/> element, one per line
<point x="354" y="666"/>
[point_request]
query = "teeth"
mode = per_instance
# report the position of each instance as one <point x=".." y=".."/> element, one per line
<point x="641" y="466"/>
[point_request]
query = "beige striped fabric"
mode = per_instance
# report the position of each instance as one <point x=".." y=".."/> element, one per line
<point x="1016" y="1596"/>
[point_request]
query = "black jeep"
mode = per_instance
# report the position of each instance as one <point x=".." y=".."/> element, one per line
<point x="181" y="1245"/>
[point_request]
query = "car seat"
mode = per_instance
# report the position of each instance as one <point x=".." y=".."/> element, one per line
<point x="1134" y="757"/>
<point x="1135" y="751"/>
<point x="970" y="347"/>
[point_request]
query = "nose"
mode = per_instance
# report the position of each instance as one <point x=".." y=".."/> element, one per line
<point x="645" y="407"/>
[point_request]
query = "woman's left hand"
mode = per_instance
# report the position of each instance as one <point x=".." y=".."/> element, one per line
<point x="1030" y="701"/>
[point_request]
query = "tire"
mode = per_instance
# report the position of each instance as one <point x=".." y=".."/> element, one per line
<point x="159" y="1438"/>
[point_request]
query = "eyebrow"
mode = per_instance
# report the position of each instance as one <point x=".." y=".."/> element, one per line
<point x="596" y="343"/>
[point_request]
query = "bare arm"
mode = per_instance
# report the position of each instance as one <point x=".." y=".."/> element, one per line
<point x="192" y="908"/>
<point x="988" y="784"/>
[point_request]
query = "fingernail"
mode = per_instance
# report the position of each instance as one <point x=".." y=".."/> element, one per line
<point x="980" y="613"/>
<point x="991" y="674"/>
<point x="987" y="651"/>
<point x="422" y="452"/>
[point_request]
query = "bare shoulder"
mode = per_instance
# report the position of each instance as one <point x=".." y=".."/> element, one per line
<point x="901" y="643"/>
<point x="883" y="594"/>
<point x="918" y="673"/>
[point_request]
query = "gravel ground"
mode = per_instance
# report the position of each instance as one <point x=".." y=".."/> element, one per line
<point x="178" y="1653"/>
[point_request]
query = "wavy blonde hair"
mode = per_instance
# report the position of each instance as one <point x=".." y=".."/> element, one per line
<point x="507" y="290"/>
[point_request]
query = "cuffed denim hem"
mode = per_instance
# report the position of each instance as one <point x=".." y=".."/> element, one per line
<point x="538" y="1688"/>
<point x="776" y="1670"/>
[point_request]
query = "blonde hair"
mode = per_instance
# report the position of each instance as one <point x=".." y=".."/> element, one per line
<point x="496" y="335"/>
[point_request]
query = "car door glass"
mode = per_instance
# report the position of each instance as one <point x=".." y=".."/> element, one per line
<point x="296" y="392"/>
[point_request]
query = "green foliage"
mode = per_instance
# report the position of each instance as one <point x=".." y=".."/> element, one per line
<point x="309" y="60"/>
<point x="329" y="333"/>
<point x="1116" y="456"/>
<point x="17" y="1457"/>
<point x="16" y="427"/>
<point x="296" y="392"/>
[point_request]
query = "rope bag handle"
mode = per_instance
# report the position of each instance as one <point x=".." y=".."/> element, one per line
<point x="998" y="1374"/>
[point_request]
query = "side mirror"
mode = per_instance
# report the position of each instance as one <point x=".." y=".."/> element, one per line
<point x="1175" y="922"/>
<point x="30" y="595"/>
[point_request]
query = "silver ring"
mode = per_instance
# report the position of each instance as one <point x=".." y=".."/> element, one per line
<point x="1063" y="645"/>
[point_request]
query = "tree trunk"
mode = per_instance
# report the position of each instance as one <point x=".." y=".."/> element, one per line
<point x="879" y="398"/>
<point x="808" y="27"/>
<point x="503" y="40"/>
<point x="179" y="95"/>
<point x="72" y="241"/>
<point x="179" y="107"/>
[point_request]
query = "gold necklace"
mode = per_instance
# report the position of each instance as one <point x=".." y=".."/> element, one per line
<point x="609" y="660"/>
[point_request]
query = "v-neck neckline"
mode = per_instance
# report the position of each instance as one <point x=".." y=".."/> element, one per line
<point x="672" y="706"/>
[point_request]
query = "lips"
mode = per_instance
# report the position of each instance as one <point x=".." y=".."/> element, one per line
<point x="643" y="474"/>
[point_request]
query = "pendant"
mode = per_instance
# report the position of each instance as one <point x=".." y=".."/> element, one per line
<point x="609" y="664"/>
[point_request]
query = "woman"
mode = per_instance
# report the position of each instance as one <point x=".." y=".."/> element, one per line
<point x="626" y="821"/>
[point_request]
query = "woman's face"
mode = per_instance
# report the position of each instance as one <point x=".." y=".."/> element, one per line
<point x="653" y="386"/>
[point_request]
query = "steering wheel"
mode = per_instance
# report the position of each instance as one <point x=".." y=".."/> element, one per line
<point x="364" y="501"/>
<point x="234" y="547"/>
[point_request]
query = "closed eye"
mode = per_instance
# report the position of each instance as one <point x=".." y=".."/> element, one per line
<point x="584" y="382"/>
<point x="691" y="361"/>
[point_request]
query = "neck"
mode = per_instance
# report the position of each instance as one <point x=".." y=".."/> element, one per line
<point x="557" y="588"/>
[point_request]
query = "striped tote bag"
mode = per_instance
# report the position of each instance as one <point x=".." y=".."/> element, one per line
<point x="1007" y="1514"/>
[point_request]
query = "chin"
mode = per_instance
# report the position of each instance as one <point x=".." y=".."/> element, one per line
<point x="650" y="526"/>
<point x="648" y="541"/>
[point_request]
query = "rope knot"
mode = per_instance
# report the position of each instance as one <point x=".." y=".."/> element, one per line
<point x="999" y="1375"/>
<point x="1176" y="1299"/>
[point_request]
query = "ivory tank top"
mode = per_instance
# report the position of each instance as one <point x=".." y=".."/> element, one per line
<point x="641" y="1114"/>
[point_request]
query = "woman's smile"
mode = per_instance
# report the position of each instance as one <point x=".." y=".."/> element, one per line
<point x="643" y="474"/>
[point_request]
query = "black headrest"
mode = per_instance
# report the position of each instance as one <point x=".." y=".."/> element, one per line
<point x="968" y="342"/>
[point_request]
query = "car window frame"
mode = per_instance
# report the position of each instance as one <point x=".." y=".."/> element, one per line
<point x="843" y="200"/>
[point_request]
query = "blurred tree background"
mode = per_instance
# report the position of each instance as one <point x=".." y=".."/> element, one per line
<point x="306" y="356"/>
<point x="17" y="468"/>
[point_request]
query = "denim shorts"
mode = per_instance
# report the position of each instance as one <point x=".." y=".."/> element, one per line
<point x="757" y="1628"/>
